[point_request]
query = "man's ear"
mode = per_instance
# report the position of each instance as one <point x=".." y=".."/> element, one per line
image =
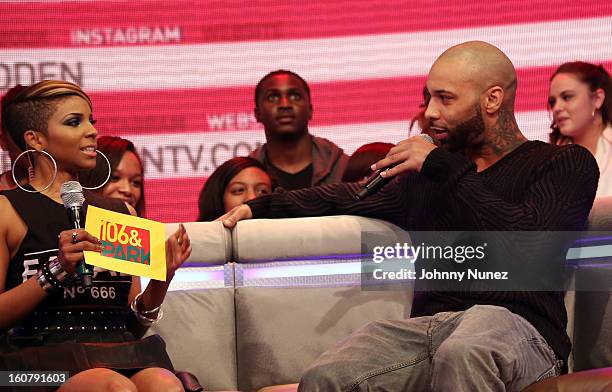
<point x="35" y="140"/>
<point x="257" y="114"/>
<point x="311" y="111"/>
<point x="493" y="99"/>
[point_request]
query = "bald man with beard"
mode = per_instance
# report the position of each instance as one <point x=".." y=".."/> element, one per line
<point x="481" y="175"/>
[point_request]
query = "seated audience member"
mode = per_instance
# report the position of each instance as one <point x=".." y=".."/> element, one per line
<point x="295" y="158"/>
<point x="48" y="320"/>
<point x="21" y="172"/>
<point x="358" y="167"/>
<point x="126" y="181"/>
<point x="234" y="182"/>
<point x="580" y="99"/>
<point x="485" y="176"/>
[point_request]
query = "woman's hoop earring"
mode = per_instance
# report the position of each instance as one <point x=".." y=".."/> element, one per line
<point x="107" y="177"/>
<point x="15" y="178"/>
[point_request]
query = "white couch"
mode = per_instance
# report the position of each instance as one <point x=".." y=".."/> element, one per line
<point x="255" y="306"/>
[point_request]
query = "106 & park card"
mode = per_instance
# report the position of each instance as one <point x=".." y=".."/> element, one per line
<point x="130" y="244"/>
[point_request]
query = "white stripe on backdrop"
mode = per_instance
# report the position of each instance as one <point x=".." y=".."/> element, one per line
<point x="318" y="60"/>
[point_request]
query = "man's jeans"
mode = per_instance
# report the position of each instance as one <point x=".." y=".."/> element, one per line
<point x="485" y="348"/>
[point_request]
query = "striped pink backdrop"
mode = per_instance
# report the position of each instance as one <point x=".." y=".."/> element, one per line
<point x="177" y="77"/>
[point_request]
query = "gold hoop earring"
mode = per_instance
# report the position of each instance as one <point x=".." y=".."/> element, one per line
<point x="15" y="178"/>
<point x="107" y="177"/>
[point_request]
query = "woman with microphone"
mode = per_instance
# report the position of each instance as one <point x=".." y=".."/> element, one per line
<point x="49" y="321"/>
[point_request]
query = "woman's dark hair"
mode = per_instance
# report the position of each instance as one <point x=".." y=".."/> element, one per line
<point x="210" y="203"/>
<point x="114" y="148"/>
<point x="594" y="76"/>
<point x="359" y="163"/>
<point x="30" y="107"/>
<point x="420" y="118"/>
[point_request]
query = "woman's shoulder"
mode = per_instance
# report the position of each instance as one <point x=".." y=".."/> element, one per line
<point x="7" y="209"/>
<point x="12" y="226"/>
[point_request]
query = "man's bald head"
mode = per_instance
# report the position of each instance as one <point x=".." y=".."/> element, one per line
<point x="472" y="87"/>
<point x="482" y="65"/>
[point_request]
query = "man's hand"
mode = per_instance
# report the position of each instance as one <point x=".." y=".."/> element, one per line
<point x="410" y="153"/>
<point x="236" y="214"/>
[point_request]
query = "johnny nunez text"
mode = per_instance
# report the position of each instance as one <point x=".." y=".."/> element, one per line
<point x="434" y="274"/>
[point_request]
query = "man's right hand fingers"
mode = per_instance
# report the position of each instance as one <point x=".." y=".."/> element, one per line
<point x="235" y="215"/>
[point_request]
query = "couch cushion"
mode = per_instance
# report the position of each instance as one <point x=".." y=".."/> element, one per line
<point x="283" y="330"/>
<point x="593" y="318"/>
<point x="300" y="238"/>
<point x="198" y="327"/>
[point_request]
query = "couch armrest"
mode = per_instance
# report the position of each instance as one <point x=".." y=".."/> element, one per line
<point x="211" y="242"/>
<point x="301" y="238"/>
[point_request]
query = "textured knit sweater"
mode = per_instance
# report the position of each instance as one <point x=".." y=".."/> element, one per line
<point x="536" y="186"/>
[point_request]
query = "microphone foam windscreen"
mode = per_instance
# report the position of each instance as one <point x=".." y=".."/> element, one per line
<point x="72" y="194"/>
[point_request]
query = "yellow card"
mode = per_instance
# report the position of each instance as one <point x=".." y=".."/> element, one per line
<point x="131" y="245"/>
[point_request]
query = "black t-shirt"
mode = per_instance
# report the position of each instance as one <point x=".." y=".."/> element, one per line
<point x="289" y="182"/>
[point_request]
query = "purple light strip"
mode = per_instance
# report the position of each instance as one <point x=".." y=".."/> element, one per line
<point x="307" y="258"/>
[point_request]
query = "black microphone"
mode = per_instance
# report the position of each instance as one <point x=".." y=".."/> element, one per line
<point x="376" y="181"/>
<point x="72" y="197"/>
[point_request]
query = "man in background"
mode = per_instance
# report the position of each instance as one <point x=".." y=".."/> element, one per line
<point x="294" y="157"/>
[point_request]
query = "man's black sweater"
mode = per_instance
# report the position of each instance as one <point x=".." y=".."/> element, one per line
<point x="536" y="186"/>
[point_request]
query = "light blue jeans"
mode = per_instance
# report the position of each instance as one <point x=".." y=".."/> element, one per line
<point x="485" y="348"/>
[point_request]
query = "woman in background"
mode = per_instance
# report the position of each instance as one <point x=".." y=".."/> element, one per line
<point x="126" y="181"/>
<point x="49" y="321"/>
<point x="358" y="166"/>
<point x="419" y="119"/>
<point x="580" y="99"/>
<point x="234" y="182"/>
